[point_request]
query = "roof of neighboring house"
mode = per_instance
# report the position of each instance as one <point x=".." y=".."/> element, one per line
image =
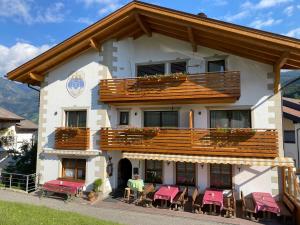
<point x="138" y="18"/>
<point x="6" y="115"/>
<point x="291" y="109"/>
<point x="27" y="125"/>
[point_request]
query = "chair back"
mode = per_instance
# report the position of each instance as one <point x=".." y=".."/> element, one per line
<point x="195" y="195"/>
<point x="181" y="197"/>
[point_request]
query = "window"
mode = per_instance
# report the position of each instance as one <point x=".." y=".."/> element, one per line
<point x="289" y="136"/>
<point x="124" y="118"/>
<point x="230" y="119"/>
<point x="220" y="176"/>
<point x="153" y="171"/>
<point x="75" y="118"/>
<point x="185" y="173"/>
<point x="178" y="67"/>
<point x="160" y="119"/>
<point x="143" y="70"/>
<point x="73" y="169"/>
<point x="216" y="66"/>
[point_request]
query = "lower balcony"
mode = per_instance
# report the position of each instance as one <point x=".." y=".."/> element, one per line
<point x="207" y="142"/>
<point x="69" y="138"/>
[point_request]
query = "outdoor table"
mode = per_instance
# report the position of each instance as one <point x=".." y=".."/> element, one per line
<point x="213" y="197"/>
<point x="166" y="193"/>
<point x="69" y="188"/>
<point x="136" y="185"/>
<point x="265" y="202"/>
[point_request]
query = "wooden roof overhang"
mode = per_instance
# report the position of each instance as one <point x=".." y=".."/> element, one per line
<point x="137" y="18"/>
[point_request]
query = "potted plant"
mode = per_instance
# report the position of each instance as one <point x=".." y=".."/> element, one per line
<point x="148" y="131"/>
<point x="93" y="195"/>
<point x="163" y="78"/>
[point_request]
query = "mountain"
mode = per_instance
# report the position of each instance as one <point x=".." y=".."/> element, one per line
<point x="20" y="99"/>
<point x="291" y="89"/>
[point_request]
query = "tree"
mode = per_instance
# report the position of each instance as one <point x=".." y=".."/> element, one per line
<point x="25" y="161"/>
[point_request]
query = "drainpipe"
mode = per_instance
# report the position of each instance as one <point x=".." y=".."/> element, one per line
<point x="35" y="89"/>
<point x="297" y="143"/>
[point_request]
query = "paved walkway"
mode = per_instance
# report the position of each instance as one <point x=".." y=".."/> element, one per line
<point x="123" y="213"/>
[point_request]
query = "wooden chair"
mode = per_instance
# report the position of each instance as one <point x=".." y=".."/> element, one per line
<point x="196" y="201"/>
<point x="287" y="210"/>
<point x="180" y="200"/>
<point x="128" y="195"/>
<point x="230" y="205"/>
<point x="147" y="195"/>
<point x="248" y="206"/>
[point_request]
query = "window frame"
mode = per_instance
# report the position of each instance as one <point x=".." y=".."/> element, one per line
<point x="150" y="64"/>
<point x="162" y="171"/>
<point x="75" y="168"/>
<point x="232" y="110"/>
<point x="123" y="111"/>
<point x="66" y="111"/>
<point x="294" y="136"/>
<point x="160" y="122"/>
<point x="222" y="174"/>
<point x="215" y="60"/>
<point x="185" y="168"/>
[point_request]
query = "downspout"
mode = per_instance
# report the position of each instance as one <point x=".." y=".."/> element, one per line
<point x="297" y="143"/>
<point x="35" y="89"/>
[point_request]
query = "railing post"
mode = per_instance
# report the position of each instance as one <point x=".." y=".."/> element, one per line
<point x="289" y="180"/>
<point x="27" y="177"/>
<point x="10" y="177"/>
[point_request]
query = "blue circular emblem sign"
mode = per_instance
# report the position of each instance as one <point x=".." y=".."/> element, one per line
<point x="76" y="84"/>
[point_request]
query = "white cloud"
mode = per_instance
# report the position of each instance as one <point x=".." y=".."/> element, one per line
<point x="238" y="16"/>
<point x="264" y="4"/>
<point x="105" y="6"/>
<point x="18" y="54"/>
<point x="29" y="11"/>
<point x="294" y="33"/>
<point x="259" y="23"/>
<point x="289" y="10"/>
<point x="85" y="20"/>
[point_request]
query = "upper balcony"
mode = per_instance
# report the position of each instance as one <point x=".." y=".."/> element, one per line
<point x="217" y="87"/>
<point x="69" y="138"/>
<point x="207" y="142"/>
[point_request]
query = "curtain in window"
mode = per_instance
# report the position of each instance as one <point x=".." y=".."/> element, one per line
<point x="220" y="176"/>
<point x="185" y="173"/>
<point x="153" y="171"/>
<point x="230" y="119"/>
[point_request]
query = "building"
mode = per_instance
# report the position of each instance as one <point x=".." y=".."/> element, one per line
<point x="291" y="127"/>
<point x="14" y="132"/>
<point x="217" y="117"/>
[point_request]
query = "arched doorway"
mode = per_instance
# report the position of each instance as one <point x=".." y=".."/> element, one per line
<point x="124" y="172"/>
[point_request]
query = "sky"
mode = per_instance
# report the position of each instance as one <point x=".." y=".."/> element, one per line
<point x="30" y="27"/>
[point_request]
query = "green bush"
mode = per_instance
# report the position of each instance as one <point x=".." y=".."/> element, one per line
<point x="97" y="184"/>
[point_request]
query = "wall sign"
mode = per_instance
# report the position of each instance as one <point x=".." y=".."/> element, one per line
<point x="76" y="84"/>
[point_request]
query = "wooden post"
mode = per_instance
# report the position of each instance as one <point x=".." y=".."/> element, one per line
<point x="27" y="181"/>
<point x="289" y="180"/>
<point x="295" y="186"/>
<point x="283" y="179"/>
<point x="191" y="119"/>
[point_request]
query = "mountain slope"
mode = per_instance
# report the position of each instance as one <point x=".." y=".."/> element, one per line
<point x="293" y="89"/>
<point x="19" y="99"/>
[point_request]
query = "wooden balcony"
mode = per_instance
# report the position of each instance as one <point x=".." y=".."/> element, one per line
<point x="195" y="88"/>
<point x="72" y="138"/>
<point x="206" y="142"/>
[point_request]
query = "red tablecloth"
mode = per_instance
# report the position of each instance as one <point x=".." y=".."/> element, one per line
<point x="166" y="193"/>
<point x="63" y="186"/>
<point x="265" y="202"/>
<point x="213" y="197"/>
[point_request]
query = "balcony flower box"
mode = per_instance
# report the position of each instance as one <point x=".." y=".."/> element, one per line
<point x="162" y="78"/>
<point x="148" y="132"/>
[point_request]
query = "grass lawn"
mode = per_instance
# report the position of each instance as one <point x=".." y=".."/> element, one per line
<point x="24" y="214"/>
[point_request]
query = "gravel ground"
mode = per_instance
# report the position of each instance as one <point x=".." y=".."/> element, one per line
<point x="109" y="211"/>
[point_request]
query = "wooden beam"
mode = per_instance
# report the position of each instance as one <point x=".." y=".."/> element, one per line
<point x="144" y="26"/>
<point x="277" y="67"/>
<point x="192" y="39"/>
<point x="94" y="44"/>
<point x="282" y="60"/>
<point x="36" y="77"/>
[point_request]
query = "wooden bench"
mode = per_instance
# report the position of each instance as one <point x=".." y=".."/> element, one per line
<point x="287" y="209"/>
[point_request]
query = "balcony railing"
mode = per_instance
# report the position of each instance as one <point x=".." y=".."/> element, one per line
<point x="204" y="87"/>
<point x="209" y="142"/>
<point x="72" y="138"/>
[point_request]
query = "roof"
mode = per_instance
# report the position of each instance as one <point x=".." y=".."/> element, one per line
<point x="27" y="125"/>
<point x="291" y="109"/>
<point x="9" y="116"/>
<point x="138" y="18"/>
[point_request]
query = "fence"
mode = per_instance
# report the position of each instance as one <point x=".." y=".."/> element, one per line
<point x="27" y="183"/>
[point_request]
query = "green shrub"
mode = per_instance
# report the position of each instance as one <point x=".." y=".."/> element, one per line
<point x="97" y="184"/>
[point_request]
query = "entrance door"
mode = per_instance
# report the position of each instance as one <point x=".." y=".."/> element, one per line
<point x="124" y="172"/>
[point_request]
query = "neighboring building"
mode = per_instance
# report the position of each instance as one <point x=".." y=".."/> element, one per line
<point x="220" y="125"/>
<point x="14" y="132"/>
<point x="291" y="127"/>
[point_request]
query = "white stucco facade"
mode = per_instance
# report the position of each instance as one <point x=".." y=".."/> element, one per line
<point x="119" y="60"/>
